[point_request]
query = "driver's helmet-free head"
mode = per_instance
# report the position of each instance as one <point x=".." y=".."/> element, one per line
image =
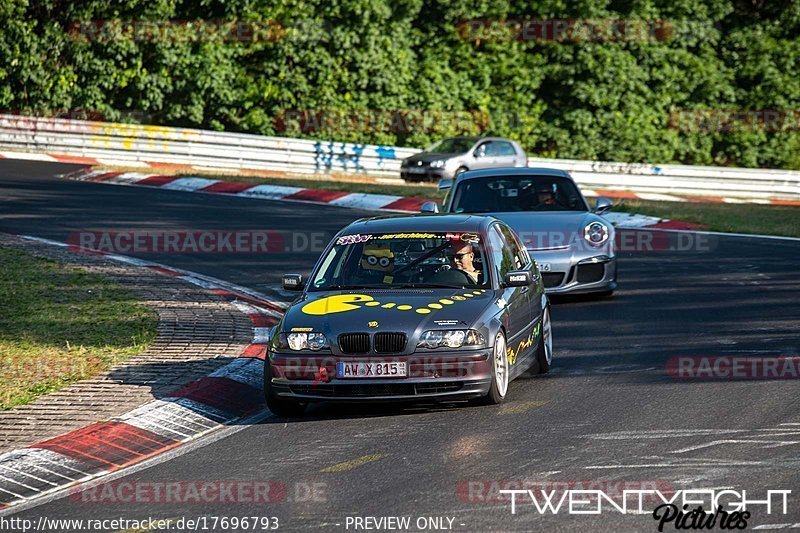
<point x="545" y="193"/>
<point x="378" y="257"/>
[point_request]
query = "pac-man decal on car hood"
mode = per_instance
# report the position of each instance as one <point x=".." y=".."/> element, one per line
<point x="341" y="303"/>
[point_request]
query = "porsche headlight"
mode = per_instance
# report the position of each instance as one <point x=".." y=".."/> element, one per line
<point x="439" y="163"/>
<point x="451" y="338"/>
<point x="304" y="341"/>
<point x="596" y="233"/>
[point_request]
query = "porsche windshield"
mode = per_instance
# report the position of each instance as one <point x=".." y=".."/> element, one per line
<point x="517" y="193"/>
<point x="403" y="260"/>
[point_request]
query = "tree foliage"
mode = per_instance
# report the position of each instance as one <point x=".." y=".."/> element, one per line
<point x="625" y="99"/>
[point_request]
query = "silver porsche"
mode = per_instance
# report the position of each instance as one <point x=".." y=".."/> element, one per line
<point x="572" y="244"/>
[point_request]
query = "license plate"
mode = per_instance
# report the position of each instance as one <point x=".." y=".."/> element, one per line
<point x="371" y="370"/>
<point x="544" y="267"/>
<point x="416" y="170"/>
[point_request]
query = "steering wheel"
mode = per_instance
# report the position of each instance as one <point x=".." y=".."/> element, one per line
<point x="452" y="276"/>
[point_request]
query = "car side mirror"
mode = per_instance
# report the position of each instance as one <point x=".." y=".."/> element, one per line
<point x="517" y="278"/>
<point x="292" y="282"/>
<point x="480" y="152"/>
<point x="602" y="204"/>
<point x="429" y="207"/>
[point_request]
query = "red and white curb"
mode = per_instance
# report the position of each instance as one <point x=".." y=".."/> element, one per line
<point x="353" y="198"/>
<point x="231" y="393"/>
<point x="376" y="202"/>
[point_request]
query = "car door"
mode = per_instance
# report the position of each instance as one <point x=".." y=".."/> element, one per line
<point x="516" y="300"/>
<point x="526" y="346"/>
<point x="484" y="156"/>
<point x="506" y="155"/>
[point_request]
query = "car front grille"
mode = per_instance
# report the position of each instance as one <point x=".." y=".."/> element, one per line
<point x="591" y="272"/>
<point x="355" y="343"/>
<point x="552" y="279"/>
<point x="390" y="342"/>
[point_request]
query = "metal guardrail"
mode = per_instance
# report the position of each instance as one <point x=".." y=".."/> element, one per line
<point x="236" y="151"/>
<point x="199" y="148"/>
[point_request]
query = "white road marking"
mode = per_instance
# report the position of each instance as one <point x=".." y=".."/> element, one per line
<point x="770" y="443"/>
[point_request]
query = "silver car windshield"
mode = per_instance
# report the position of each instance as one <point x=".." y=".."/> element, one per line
<point x="457" y="145"/>
<point x="500" y="194"/>
<point x="403" y="260"/>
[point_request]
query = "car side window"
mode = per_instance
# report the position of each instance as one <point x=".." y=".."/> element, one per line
<point x="506" y="149"/>
<point x="506" y="255"/>
<point x="517" y="254"/>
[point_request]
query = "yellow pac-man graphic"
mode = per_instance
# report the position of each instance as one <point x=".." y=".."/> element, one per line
<point x="336" y="304"/>
<point x="350" y="302"/>
<point x="372" y="324"/>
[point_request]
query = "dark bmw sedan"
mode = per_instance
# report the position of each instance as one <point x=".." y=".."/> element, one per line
<point x="411" y="307"/>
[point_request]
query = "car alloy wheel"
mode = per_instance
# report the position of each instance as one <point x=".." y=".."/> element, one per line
<point x="500" y="365"/>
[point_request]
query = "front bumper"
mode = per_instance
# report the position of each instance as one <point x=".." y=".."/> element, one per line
<point x="576" y="274"/>
<point x="429" y="174"/>
<point x="430" y="376"/>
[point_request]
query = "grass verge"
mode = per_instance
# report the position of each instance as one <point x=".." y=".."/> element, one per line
<point x="60" y="324"/>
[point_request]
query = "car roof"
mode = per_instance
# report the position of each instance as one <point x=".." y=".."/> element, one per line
<point x="513" y="171"/>
<point x="476" y="139"/>
<point x="420" y="223"/>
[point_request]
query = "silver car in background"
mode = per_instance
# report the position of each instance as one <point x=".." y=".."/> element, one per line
<point x="573" y="245"/>
<point x="454" y="155"/>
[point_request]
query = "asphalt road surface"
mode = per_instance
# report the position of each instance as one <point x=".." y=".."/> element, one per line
<point x="607" y="413"/>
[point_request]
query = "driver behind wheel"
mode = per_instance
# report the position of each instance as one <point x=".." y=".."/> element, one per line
<point x="462" y="255"/>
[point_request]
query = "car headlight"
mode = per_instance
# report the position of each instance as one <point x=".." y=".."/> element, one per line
<point x="303" y="341"/>
<point x="451" y="338"/>
<point x="439" y="163"/>
<point x="596" y="233"/>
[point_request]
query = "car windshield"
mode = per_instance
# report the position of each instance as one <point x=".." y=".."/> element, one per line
<point x="455" y="145"/>
<point x="403" y="260"/>
<point x="500" y="194"/>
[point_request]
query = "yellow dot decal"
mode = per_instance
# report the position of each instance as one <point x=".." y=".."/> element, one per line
<point x="423" y="311"/>
<point x="435" y="306"/>
<point x="372" y="304"/>
<point x="468" y="295"/>
<point x="445" y="301"/>
<point x="389" y="305"/>
<point x="404" y="307"/>
<point x="483" y="290"/>
<point x="459" y="298"/>
<point x="476" y="293"/>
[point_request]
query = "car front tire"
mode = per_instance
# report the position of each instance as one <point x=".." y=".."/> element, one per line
<point x="500" y="372"/>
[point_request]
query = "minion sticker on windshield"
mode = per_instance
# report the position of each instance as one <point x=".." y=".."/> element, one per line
<point x="378" y="257"/>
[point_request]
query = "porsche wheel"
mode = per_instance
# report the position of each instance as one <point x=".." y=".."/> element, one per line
<point x="499" y="386"/>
